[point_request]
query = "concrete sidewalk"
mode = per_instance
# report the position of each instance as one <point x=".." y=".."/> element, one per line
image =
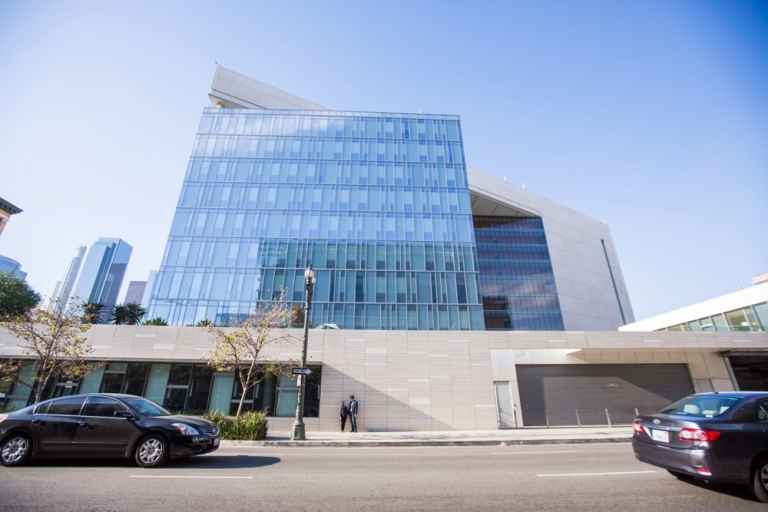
<point x="448" y="438"/>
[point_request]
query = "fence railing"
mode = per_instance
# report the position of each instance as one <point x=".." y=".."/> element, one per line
<point x="578" y="417"/>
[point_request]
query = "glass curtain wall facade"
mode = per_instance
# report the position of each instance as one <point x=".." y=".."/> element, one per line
<point x="378" y="203"/>
<point x="516" y="278"/>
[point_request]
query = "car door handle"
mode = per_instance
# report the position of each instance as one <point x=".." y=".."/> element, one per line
<point x="37" y="422"/>
<point x="85" y="425"/>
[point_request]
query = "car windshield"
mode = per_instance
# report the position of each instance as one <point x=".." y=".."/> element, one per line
<point x="701" y="406"/>
<point x="145" y="407"/>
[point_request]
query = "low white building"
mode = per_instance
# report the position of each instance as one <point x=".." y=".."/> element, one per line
<point x="742" y="310"/>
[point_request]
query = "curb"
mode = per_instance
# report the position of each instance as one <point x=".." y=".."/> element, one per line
<point x="379" y="444"/>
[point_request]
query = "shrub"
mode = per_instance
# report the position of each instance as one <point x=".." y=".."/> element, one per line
<point x="249" y="426"/>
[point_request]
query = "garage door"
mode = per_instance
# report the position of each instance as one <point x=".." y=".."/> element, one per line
<point x="569" y="394"/>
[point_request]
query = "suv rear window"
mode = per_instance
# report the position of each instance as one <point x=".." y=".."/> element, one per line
<point x="701" y="406"/>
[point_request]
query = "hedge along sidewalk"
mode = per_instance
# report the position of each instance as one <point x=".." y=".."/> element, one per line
<point x="446" y="438"/>
<point x="250" y="425"/>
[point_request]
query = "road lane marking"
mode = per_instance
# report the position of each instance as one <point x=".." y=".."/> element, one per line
<point x="602" y="474"/>
<point x="192" y="476"/>
<point x="525" y="453"/>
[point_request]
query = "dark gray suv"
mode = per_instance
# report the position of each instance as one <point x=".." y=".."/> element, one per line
<point x="718" y="436"/>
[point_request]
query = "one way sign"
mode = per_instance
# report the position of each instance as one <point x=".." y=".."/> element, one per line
<point x="301" y="371"/>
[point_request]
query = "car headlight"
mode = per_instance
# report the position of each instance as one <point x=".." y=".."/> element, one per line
<point x="3" y="416"/>
<point x="185" y="430"/>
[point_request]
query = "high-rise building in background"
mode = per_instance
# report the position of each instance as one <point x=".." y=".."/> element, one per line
<point x="401" y="233"/>
<point x="135" y="292"/>
<point x="64" y="287"/>
<point x="148" y="288"/>
<point x="6" y="210"/>
<point x="9" y="265"/>
<point x="102" y="273"/>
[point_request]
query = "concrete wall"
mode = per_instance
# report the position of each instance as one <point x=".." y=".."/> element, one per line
<point x="430" y="380"/>
<point x="230" y="89"/>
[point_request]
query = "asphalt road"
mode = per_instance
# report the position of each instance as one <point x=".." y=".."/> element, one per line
<point x="529" y="477"/>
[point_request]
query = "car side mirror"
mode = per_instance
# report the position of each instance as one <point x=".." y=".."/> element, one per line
<point x="123" y="414"/>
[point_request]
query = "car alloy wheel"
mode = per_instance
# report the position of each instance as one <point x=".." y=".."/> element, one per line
<point x="14" y="451"/>
<point x="760" y="480"/>
<point x="151" y="452"/>
<point x="764" y="476"/>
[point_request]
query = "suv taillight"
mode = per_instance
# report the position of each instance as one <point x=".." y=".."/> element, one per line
<point x="3" y="416"/>
<point x="695" y="434"/>
<point x="638" y="427"/>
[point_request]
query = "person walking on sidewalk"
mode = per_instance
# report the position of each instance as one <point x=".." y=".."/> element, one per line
<point x="353" y="412"/>
<point x="343" y="412"/>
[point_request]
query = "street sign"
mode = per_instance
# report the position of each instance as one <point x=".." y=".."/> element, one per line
<point x="301" y="371"/>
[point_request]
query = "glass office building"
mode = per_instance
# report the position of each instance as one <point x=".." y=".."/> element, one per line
<point x="102" y="272"/>
<point x="9" y="265"/>
<point x="378" y="203"/>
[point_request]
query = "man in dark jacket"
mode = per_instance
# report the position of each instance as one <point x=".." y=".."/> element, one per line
<point x="353" y="412"/>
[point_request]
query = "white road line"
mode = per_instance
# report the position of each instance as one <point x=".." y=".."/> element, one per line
<point x="192" y="476"/>
<point x="602" y="474"/>
<point x="525" y="453"/>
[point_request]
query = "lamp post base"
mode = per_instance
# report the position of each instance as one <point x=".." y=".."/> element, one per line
<point x="297" y="432"/>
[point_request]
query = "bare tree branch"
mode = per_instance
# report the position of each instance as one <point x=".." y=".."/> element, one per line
<point x="55" y="339"/>
<point x="239" y="348"/>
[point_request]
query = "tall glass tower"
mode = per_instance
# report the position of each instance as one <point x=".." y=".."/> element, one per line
<point x="101" y="275"/>
<point x="377" y="202"/>
<point x="64" y="287"/>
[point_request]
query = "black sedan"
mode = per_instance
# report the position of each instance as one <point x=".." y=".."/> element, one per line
<point x="103" y="425"/>
<point x="718" y="436"/>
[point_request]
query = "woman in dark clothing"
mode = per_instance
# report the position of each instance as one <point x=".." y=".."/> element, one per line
<point x="343" y="413"/>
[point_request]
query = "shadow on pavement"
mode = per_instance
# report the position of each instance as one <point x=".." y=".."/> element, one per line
<point x="200" y="462"/>
<point x="735" y="490"/>
<point x="223" y="462"/>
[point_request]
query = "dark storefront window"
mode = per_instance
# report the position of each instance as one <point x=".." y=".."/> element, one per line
<point x="113" y="379"/>
<point x="182" y="388"/>
<point x="135" y="378"/>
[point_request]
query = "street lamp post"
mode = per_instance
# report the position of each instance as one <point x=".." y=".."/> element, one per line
<point x="298" y="433"/>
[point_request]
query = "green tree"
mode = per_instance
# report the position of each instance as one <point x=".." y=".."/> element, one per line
<point x="238" y="348"/>
<point x="119" y="315"/>
<point x="92" y="312"/>
<point x="204" y="323"/>
<point x="134" y="313"/>
<point x="55" y="340"/>
<point x="16" y="296"/>
<point x="156" y="321"/>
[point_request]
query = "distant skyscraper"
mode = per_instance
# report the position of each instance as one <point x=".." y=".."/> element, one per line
<point x="102" y="273"/>
<point x="14" y="266"/>
<point x="135" y="292"/>
<point x="64" y="287"/>
<point x="148" y="288"/>
<point x="56" y="292"/>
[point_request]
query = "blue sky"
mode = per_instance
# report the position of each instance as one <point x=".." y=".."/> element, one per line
<point x="652" y="116"/>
